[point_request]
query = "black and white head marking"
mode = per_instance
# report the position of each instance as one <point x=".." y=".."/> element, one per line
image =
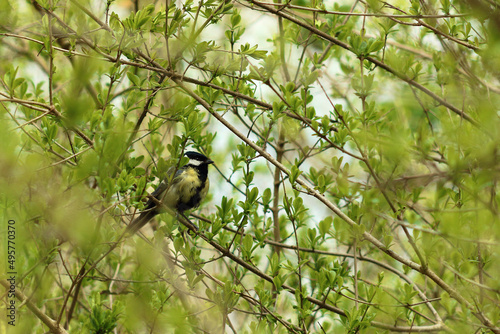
<point x="194" y="162"/>
<point x="197" y="159"/>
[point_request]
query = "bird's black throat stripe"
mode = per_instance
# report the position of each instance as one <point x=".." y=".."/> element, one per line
<point x="203" y="173"/>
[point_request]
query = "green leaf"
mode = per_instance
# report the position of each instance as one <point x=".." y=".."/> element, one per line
<point x="134" y="79"/>
<point x="294" y="173"/>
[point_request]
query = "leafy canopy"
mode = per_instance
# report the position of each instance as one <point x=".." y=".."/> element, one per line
<point x="356" y="176"/>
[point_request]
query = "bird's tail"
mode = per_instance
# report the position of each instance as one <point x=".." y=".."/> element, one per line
<point x="140" y="221"/>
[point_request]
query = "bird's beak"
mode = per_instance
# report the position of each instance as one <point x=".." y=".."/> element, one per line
<point x="209" y="162"/>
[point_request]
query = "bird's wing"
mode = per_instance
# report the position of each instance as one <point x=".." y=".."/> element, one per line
<point x="150" y="209"/>
<point x="158" y="193"/>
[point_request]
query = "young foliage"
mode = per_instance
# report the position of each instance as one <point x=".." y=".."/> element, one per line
<point x="355" y="185"/>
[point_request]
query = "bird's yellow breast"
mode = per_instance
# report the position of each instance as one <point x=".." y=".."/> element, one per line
<point x="184" y="190"/>
<point x="189" y="183"/>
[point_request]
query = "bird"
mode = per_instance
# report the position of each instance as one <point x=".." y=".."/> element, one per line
<point x="183" y="192"/>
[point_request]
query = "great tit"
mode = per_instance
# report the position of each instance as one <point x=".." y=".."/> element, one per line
<point x="186" y="190"/>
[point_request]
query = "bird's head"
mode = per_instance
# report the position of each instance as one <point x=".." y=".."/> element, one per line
<point x="197" y="159"/>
